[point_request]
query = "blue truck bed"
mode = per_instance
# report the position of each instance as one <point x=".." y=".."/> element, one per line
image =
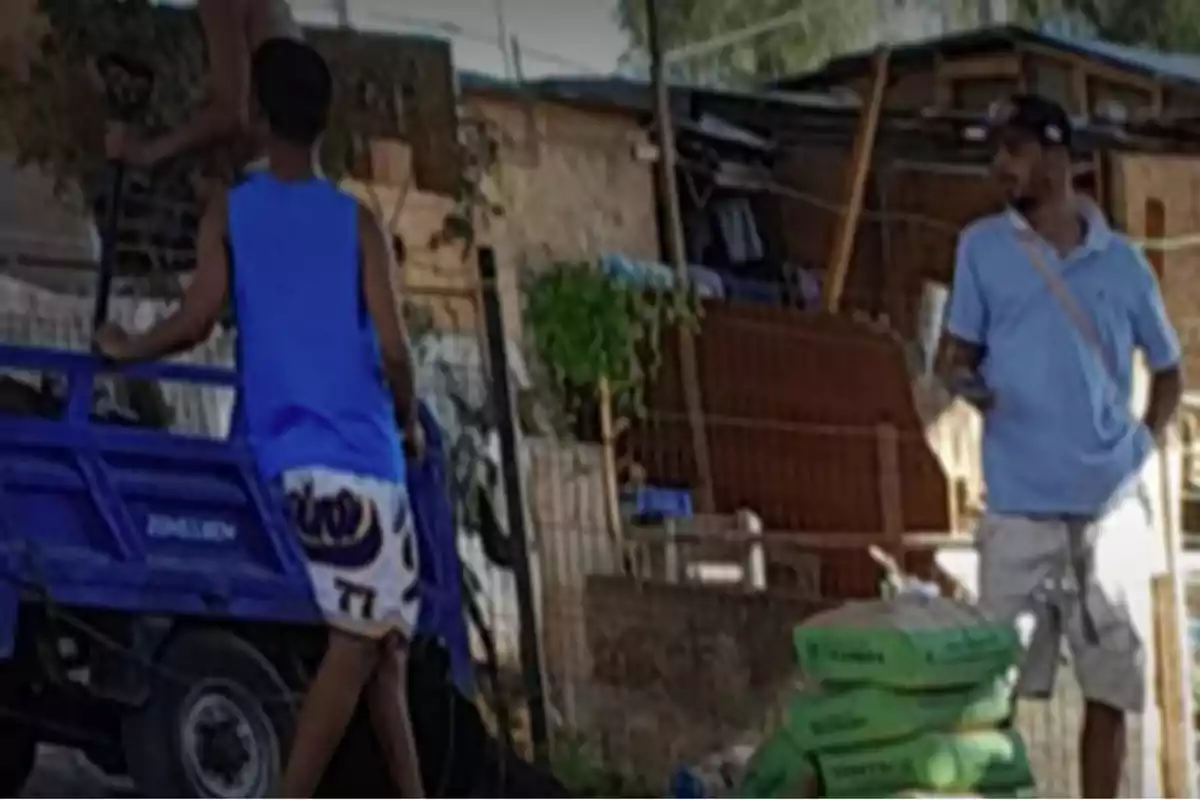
<point x="111" y="517"/>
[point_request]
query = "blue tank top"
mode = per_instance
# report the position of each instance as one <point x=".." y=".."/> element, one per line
<point x="313" y="390"/>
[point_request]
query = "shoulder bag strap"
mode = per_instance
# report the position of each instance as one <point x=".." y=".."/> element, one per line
<point x="1079" y="556"/>
<point x="1066" y="300"/>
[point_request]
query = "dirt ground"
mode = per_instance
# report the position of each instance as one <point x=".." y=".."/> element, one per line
<point x="66" y="773"/>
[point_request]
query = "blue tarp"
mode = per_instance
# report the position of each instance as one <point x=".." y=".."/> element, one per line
<point x="441" y="569"/>
<point x="653" y="275"/>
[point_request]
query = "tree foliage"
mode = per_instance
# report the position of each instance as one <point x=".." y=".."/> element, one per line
<point x="814" y="30"/>
<point x="54" y="115"/>
<point x="1167" y="25"/>
<point x="809" y="33"/>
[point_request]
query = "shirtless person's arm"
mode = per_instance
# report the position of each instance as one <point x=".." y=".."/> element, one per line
<point x="202" y="304"/>
<point x="225" y="24"/>
<point x="378" y="266"/>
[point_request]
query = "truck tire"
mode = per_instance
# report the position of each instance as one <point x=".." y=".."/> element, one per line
<point x="216" y="724"/>
<point x="18" y="756"/>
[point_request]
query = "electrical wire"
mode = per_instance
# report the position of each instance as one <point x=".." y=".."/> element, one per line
<point x="453" y="29"/>
<point x="723" y="41"/>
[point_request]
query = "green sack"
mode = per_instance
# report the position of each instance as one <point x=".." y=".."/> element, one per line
<point x="976" y="762"/>
<point x="821" y="720"/>
<point x="909" y="642"/>
<point x="777" y="769"/>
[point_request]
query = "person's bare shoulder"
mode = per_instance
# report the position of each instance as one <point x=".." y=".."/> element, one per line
<point x="226" y="9"/>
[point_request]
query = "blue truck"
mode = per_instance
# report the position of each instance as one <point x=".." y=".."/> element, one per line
<point x="154" y="611"/>
<point x="156" y="614"/>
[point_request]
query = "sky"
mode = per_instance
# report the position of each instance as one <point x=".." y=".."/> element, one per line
<point x="556" y="36"/>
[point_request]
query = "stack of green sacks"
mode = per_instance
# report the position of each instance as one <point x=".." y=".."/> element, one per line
<point x="908" y="696"/>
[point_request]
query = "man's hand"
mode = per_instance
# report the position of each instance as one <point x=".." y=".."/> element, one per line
<point x="970" y="387"/>
<point x="112" y="342"/>
<point x="1166" y="395"/>
<point x="414" y="442"/>
<point x="123" y="145"/>
<point x="957" y="366"/>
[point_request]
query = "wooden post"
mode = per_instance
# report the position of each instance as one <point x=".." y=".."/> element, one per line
<point x="669" y="197"/>
<point x="1172" y="652"/>
<point x="943" y="89"/>
<point x="342" y="9"/>
<point x="858" y="172"/>
<point x="891" y="497"/>
<point x="503" y="38"/>
<point x="608" y="470"/>
<point x="1100" y="177"/>
<point x="755" y="563"/>
<point x="1080" y="90"/>
<point x="528" y="603"/>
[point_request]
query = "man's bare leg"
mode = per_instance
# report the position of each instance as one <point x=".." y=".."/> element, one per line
<point x="1101" y="750"/>
<point x="327" y="710"/>
<point x="388" y="701"/>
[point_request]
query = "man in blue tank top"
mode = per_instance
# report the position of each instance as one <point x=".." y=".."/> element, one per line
<point x="326" y="380"/>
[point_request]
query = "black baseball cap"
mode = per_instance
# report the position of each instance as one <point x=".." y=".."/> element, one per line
<point x="1033" y="115"/>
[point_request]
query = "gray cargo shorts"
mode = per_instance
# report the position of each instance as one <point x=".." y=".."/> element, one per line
<point x="1085" y="580"/>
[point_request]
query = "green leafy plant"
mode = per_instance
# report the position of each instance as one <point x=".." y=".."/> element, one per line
<point x="479" y="157"/>
<point x="589" y="327"/>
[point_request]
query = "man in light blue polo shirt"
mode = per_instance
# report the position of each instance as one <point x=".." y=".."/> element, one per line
<point x="1047" y="308"/>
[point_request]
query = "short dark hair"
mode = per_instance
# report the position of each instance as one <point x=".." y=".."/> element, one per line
<point x="294" y="87"/>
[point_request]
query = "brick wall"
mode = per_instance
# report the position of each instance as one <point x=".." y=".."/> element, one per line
<point x="683" y="671"/>
<point x="566" y="179"/>
<point x="569" y="182"/>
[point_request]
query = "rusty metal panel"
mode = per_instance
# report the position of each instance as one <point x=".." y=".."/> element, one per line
<point x="792" y="403"/>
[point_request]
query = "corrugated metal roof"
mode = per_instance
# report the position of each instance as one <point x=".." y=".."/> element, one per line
<point x="1172" y="67"/>
<point x="634" y="95"/>
<point x="603" y="92"/>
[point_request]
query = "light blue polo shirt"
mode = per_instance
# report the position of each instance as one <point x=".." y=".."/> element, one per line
<point x="1059" y="438"/>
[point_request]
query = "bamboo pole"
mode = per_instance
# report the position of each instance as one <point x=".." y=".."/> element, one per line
<point x="669" y="197"/>
<point x="608" y="471"/>
<point x="1173" y="661"/>
<point x="856" y="177"/>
